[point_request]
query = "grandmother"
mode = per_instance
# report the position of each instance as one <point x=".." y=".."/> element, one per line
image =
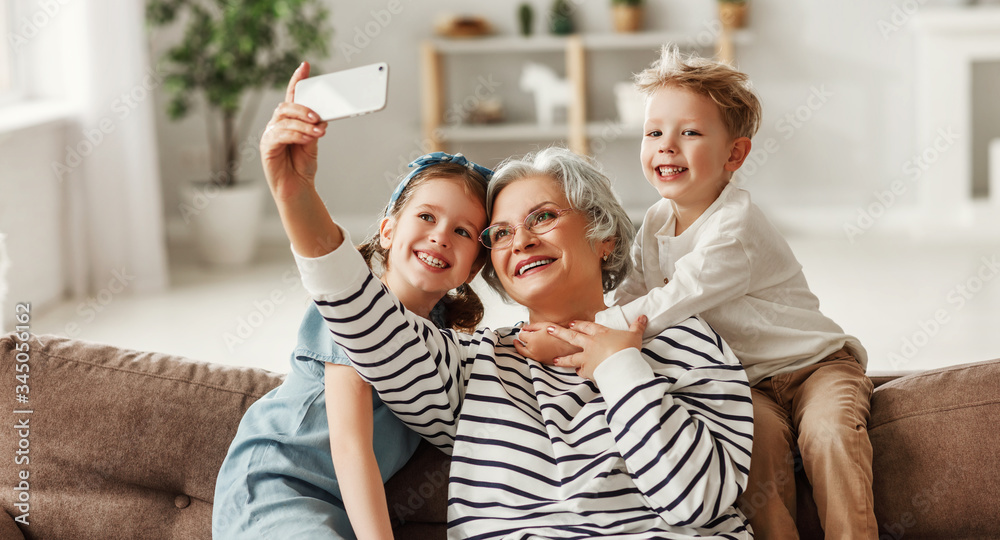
<point x="630" y="440"/>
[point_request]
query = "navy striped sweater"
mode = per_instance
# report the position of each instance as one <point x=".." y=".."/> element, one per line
<point x="659" y="447"/>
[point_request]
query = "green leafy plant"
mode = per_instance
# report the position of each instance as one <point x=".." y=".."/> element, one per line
<point x="229" y="48"/>
<point x="626" y="2"/>
<point x="525" y="17"/>
<point x="560" y="18"/>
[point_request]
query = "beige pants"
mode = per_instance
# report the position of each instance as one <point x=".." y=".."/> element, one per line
<point x="824" y="410"/>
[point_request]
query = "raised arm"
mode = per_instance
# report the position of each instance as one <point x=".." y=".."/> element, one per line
<point x="289" y="153"/>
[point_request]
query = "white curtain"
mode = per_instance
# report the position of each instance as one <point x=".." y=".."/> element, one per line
<point x="119" y="198"/>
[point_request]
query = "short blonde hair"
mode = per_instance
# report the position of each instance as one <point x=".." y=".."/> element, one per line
<point x="729" y="88"/>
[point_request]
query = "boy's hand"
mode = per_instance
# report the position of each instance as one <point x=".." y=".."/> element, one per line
<point x="598" y="343"/>
<point x="534" y="343"/>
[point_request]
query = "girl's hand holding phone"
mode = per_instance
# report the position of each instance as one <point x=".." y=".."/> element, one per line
<point x="288" y="147"/>
<point x="288" y="152"/>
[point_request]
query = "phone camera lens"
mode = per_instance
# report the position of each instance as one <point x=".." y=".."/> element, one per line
<point x="381" y="68"/>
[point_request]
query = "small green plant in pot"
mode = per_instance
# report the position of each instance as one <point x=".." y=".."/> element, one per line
<point x="228" y="53"/>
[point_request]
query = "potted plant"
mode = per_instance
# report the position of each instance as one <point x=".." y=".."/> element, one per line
<point x="733" y="14"/>
<point x="627" y="15"/>
<point x="561" y="18"/>
<point x="229" y="49"/>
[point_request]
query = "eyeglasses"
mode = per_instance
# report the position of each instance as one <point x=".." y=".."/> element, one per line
<point x="540" y="221"/>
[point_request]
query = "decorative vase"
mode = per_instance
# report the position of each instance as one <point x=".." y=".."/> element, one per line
<point x="626" y="18"/>
<point x="733" y="15"/>
<point x="225" y="221"/>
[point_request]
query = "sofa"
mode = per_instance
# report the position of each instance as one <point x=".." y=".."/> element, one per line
<point x="127" y="444"/>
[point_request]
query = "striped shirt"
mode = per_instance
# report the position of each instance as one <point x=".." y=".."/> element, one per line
<point x="659" y="447"/>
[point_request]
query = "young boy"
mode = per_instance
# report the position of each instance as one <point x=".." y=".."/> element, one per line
<point x="706" y="249"/>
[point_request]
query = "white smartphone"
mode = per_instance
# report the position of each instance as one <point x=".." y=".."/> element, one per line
<point x="346" y="93"/>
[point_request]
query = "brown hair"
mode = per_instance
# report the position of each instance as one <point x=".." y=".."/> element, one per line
<point x="729" y="88"/>
<point x="461" y="308"/>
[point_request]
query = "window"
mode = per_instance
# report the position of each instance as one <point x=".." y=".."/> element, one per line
<point x="9" y="84"/>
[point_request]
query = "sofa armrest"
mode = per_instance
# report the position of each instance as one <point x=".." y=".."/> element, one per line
<point x="935" y="441"/>
<point x="120" y="438"/>
<point x="880" y="377"/>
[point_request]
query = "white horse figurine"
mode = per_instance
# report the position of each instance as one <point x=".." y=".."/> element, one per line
<point x="550" y="91"/>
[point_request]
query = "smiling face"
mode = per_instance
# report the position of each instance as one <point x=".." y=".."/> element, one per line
<point x="432" y="243"/>
<point x="556" y="274"/>
<point x="687" y="153"/>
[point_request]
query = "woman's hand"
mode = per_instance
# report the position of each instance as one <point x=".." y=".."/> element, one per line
<point x="288" y="147"/>
<point x="598" y="343"/>
<point x="533" y="342"/>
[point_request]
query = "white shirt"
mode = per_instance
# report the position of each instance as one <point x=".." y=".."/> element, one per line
<point x="658" y="447"/>
<point x="735" y="269"/>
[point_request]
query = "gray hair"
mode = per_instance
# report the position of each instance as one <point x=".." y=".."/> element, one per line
<point x="589" y="191"/>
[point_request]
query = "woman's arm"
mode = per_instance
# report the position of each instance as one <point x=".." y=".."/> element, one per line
<point x="682" y="420"/>
<point x="349" y="413"/>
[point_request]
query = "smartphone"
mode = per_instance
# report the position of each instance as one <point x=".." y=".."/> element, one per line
<point x="346" y="93"/>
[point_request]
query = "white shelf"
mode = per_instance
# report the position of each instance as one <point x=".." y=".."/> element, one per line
<point x="595" y="42"/>
<point x="526" y="131"/>
<point x="597" y="130"/>
<point x="575" y="47"/>
<point x="493" y="44"/>
<point x="504" y="132"/>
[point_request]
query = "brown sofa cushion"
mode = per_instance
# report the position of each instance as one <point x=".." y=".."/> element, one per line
<point x="123" y="444"/>
<point x="8" y="529"/>
<point x="935" y="436"/>
<point x="418" y="493"/>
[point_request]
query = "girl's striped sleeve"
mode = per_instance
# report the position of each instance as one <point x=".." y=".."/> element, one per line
<point x="419" y="371"/>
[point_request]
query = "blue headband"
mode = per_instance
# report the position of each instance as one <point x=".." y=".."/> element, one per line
<point x="435" y="158"/>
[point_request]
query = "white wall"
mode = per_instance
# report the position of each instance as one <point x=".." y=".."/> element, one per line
<point x="31" y="214"/>
<point x="836" y="80"/>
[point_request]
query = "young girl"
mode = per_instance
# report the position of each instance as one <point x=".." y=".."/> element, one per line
<point x="310" y="457"/>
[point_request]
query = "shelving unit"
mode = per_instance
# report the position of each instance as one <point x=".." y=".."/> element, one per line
<point x="575" y="49"/>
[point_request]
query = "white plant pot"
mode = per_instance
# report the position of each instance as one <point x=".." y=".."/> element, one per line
<point x="225" y="222"/>
<point x="630" y="103"/>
